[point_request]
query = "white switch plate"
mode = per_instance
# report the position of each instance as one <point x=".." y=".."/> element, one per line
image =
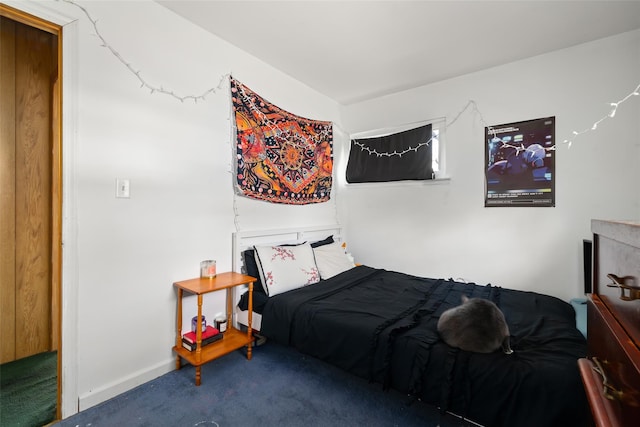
<point x="122" y="188"/>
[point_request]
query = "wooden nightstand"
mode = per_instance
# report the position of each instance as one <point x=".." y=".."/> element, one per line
<point x="233" y="338"/>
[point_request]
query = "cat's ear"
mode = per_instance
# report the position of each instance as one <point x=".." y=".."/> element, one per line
<point x="464" y="298"/>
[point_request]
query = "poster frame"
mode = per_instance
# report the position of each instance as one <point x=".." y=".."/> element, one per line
<point x="520" y="164"/>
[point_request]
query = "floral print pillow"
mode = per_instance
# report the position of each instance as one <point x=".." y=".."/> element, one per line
<point x="283" y="268"/>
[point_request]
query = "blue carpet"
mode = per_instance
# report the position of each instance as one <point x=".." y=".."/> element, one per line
<point x="278" y="387"/>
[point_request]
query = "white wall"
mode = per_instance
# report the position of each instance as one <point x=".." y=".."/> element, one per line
<point x="177" y="155"/>
<point x="444" y="230"/>
<point x="122" y="255"/>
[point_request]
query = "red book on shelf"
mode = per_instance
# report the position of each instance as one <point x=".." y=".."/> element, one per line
<point x="192" y="346"/>
<point x="209" y="332"/>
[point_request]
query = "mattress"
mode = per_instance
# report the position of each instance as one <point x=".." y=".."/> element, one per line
<point x="381" y="325"/>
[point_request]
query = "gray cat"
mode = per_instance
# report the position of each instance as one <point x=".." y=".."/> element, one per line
<point x="476" y="325"/>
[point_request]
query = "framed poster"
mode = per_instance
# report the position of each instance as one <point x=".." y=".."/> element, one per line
<point x="520" y="163"/>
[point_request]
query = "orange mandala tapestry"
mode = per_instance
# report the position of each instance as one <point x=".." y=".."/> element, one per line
<point x="281" y="157"/>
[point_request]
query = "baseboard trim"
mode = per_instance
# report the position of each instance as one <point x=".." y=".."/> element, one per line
<point x="115" y="388"/>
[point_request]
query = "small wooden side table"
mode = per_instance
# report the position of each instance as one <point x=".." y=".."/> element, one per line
<point x="233" y="338"/>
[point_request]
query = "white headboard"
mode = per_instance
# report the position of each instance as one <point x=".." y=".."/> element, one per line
<point x="243" y="240"/>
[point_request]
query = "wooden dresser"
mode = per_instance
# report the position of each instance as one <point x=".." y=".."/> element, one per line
<point x="611" y="373"/>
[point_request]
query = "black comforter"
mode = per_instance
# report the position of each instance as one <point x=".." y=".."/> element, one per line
<point x="381" y="325"/>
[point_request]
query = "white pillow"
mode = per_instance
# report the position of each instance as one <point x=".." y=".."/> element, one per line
<point x="332" y="259"/>
<point x="283" y="268"/>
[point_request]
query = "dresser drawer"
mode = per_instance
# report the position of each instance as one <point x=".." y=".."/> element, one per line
<point x="616" y="368"/>
<point x="617" y="258"/>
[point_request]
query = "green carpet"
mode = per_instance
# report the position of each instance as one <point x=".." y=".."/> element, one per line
<point x="28" y="391"/>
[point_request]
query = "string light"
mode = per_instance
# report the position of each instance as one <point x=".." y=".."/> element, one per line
<point x="370" y="151"/>
<point x="612" y="114"/>
<point x="471" y="103"/>
<point x="143" y="83"/>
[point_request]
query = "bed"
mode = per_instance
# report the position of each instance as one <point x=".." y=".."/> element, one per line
<point x="381" y="325"/>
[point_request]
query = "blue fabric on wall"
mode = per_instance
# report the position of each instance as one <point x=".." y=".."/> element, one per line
<point x="580" y="307"/>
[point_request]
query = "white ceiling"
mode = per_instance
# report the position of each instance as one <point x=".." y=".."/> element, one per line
<point x="356" y="50"/>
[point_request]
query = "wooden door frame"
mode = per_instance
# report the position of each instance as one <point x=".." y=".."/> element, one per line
<point x="68" y="371"/>
<point x="56" y="187"/>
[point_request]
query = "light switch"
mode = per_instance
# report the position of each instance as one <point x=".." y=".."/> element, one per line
<point x="122" y="188"/>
